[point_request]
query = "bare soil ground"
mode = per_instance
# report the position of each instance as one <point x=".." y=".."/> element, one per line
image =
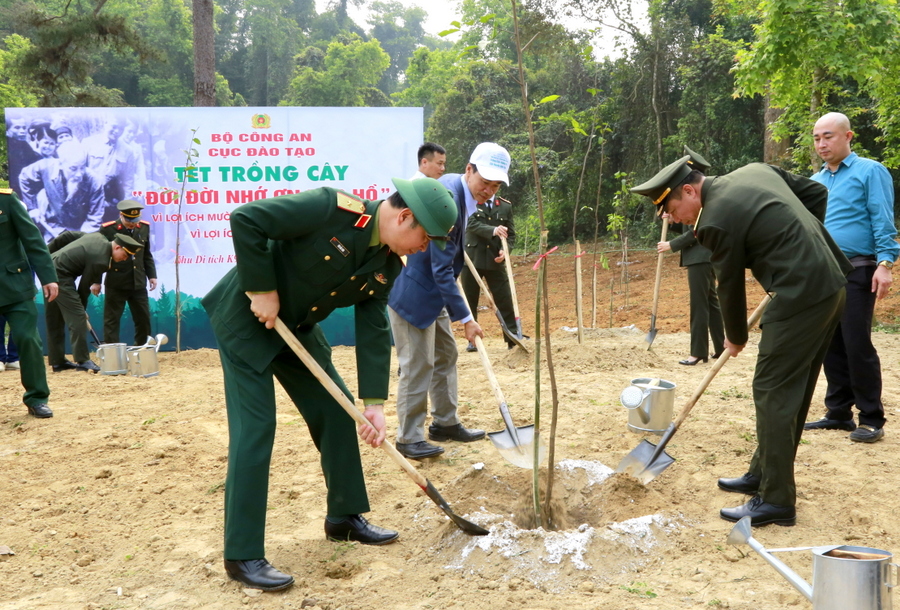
<point x="116" y="502"/>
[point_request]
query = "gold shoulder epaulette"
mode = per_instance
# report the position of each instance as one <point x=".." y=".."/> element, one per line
<point x="6" y="191"/>
<point x="350" y="203"/>
<point x="106" y="224"/>
<point x="145" y="222"/>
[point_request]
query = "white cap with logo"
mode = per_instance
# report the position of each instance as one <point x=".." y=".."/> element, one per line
<point x="492" y="161"/>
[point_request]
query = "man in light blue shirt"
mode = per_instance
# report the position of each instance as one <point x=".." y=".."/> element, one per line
<point x="860" y="218"/>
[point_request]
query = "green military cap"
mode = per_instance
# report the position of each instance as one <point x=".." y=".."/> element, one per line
<point x="431" y="204"/>
<point x="130" y="246"/>
<point x="696" y="161"/>
<point x="130" y="208"/>
<point x="659" y="186"/>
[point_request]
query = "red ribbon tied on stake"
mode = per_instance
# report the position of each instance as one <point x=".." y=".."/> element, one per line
<point x="543" y="256"/>
<point x="583" y="252"/>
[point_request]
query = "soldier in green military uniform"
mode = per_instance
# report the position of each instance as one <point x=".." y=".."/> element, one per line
<point x="88" y="257"/>
<point x="761" y="218"/>
<point x="484" y="228"/>
<point x="301" y="257"/>
<point x="23" y="251"/>
<point x="706" y="316"/>
<point x="126" y="281"/>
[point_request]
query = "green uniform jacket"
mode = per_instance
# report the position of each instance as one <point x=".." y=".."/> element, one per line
<point x="89" y="257"/>
<point x="21" y="250"/>
<point x="318" y="259"/>
<point x="692" y="253"/>
<point x="132" y="273"/>
<point x="765" y="219"/>
<point x="481" y="244"/>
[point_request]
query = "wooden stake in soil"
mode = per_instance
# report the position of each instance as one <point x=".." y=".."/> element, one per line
<point x="579" y="317"/>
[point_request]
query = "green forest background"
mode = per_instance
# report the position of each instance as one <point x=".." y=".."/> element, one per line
<point x="737" y="80"/>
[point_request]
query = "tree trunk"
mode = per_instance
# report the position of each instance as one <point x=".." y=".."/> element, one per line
<point x="204" y="54"/>
<point x="773" y="152"/>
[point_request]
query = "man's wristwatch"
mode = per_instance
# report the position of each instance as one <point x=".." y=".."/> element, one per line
<point x="887" y="264"/>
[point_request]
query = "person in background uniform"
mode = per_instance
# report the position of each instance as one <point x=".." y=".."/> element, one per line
<point x="706" y="317"/>
<point x="422" y="305"/>
<point x="491" y="221"/>
<point x="9" y="355"/>
<point x="62" y="193"/>
<point x="23" y="253"/>
<point x="300" y="257"/>
<point x="432" y="161"/>
<point x="88" y="257"/>
<point x="114" y="162"/>
<point x="20" y="153"/>
<point x="761" y="218"/>
<point x="126" y="282"/>
<point x="861" y="219"/>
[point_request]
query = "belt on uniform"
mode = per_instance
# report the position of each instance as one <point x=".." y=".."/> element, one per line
<point x="863" y="261"/>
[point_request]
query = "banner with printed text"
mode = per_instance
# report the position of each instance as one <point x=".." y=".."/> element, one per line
<point x="191" y="167"/>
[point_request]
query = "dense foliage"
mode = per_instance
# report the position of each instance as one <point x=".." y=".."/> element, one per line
<point x="706" y="73"/>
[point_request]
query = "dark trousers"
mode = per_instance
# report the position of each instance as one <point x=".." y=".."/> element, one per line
<point x="250" y="402"/>
<point x="113" y="307"/>
<point x="8" y="352"/>
<point x="67" y="309"/>
<point x="498" y="283"/>
<point x="790" y="358"/>
<point x="706" y="317"/>
<point x="23" y="326"/>
<point x="852" y="366"/>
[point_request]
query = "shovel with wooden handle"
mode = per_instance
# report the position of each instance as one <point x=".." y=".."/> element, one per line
<point x="91" y="329"/>
<point x="515" y="444"/>
<point x="512" y="288"/>
<point x="647" y="461"/>
<point x="333" y="389"/>
<point x="487" y="293"/>
<point x="659" y="261"/>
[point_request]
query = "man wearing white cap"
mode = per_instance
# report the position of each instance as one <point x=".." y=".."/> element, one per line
<point x="422" y="304"/>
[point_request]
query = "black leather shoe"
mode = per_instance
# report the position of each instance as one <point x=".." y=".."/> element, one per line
<point x="68" y="365"/>
<point x="357" y="529"/>
<point x="830" y="424"/>
<point x="747" y="484"/>
<point x="454" y="433"/>
<point x="258" y="574"/>
<point x="471" y="348"/>
<point x="87" y="365"/>
<point x="867" y="434"/>
<point x="689" y="362"/>
<point x="419" y="451"/>
<point x="761" y="513"/>
<point x="717" y="355"/>
<point x="40" y="411"/>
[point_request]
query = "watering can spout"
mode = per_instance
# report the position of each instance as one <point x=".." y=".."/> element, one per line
<point x="740" y="534"/>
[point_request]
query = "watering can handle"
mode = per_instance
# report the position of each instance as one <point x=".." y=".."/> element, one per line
<point x="896" y="572"/>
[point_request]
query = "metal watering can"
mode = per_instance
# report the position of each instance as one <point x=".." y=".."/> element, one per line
<point x="844" y="577"/>
<point x="113" y="359"/>
<point x="650" y="403"/>
<point x="142" y="360"/>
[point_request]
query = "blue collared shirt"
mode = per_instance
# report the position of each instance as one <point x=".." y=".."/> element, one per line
<point x="471" y="204"/>
<point x="860" y="213"/>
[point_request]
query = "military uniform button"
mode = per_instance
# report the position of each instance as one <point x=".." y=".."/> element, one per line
<point x="334" y="294"/>
<point x="314" y="308"/>
<point x="371" y="292"/>
<point x="327" y="257"/>
<point x="352" y="278"/>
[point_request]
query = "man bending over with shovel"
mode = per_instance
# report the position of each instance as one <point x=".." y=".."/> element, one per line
<point x="300" y="257"/>
<point x="762" y="218"/>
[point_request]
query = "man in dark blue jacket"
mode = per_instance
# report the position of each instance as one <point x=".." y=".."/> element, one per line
<point x="423" y="302"/>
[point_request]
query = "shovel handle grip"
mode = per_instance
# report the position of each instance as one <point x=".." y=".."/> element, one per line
<point x="336" y="393"/>
<point x="485" y="361"/>
<point x="659" y="262"/>
<point x="685" y="411"/>
<point x="481" y="284"/>
<point x="509" y="272"/>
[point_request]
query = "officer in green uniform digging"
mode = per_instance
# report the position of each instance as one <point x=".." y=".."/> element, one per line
<point x="88" y="257"/>
<point x="761" y="218"/>
<point x="301" y="257"/>
<point x="126" y="282"/>
<point x="23" y="251"/>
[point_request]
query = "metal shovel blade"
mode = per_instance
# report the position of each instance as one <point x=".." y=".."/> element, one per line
<point x="519" y="454"/>
<point x="466" y="526"/>
<point x="643" y="463"/>
<point x="652" y="334"/>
